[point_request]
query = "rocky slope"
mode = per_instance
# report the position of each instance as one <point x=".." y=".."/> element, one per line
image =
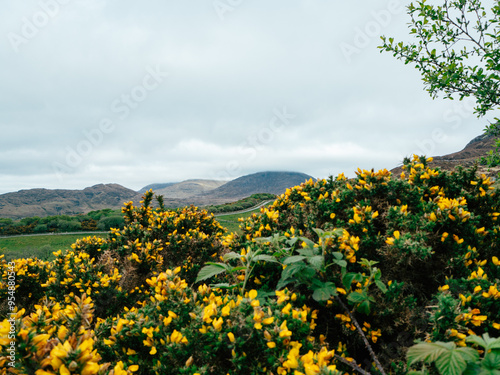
<point x="45" y="202"/>
<point x="467" y="157"/>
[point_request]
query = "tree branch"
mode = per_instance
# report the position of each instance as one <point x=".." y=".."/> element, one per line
<point x="360" y="331"/>
<point x="352" y="365"/>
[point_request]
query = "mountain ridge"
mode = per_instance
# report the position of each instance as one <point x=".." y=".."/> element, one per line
<point x="47" y="202"/>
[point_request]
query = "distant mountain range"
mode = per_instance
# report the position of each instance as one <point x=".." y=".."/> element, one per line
<point x="262" y="182"/>
<point x="186" y="189"/>
<point x="46" y="202"/>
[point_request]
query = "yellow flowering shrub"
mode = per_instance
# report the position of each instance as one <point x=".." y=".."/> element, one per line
<point x="424" y="228"/>
<point x="337" y="276"/>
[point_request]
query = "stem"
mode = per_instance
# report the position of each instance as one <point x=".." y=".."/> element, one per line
<point x="352" y="365"/>
<point x="360" y="331"/>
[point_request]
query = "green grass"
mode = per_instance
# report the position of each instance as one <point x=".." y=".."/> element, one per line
<point x="231" y="223"/>
<point x="40" y="247"/>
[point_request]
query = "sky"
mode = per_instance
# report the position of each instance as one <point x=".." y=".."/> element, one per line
<point x="134" y="93"/>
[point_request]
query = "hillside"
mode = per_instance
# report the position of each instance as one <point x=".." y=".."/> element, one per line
<point x="261" y="182"/>
<point x="188" y="188"/>
<point x="155" y="187"/>
<point x="467" y="157"/>
<point x="45" y="202"/>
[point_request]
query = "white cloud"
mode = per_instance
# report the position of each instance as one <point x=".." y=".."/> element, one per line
<point x="211" y="117"/>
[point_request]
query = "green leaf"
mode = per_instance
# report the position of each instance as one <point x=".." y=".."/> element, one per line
<point x="324" y="292"/>
<point x="381" y="286"/>
<point x="283" y="282"/>
<point x="351" y="277"/>
<point x="357" y="297"/>
<point x="338" y="255"/>
<point x="293" y="259"/>
<point x="231" y="255"/>
<point x="342" y="263"/>
<point x="454" y="362"/>
<point x="291" y="270"/>
<point x="307" y="241"/>
<point x="210" y="271"/>
<point x="316" y="262"/>
<point x="364" y="307"/>
<point x="319" y="232"/>
<point x="491" y="361"/>
<point x="223" y="286"/>
<point x="306" y="252"/>
<point x="485" y="341"/>
<point x="265" y="258"/>
<point x="449" y="359"/>
<point x="427" y="351"/>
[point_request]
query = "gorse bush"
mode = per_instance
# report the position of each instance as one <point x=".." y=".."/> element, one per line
<point x="337" y="276"/>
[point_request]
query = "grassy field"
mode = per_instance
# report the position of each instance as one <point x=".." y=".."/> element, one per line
<point x="231" y="223"/>
<point x="41" y="247"/>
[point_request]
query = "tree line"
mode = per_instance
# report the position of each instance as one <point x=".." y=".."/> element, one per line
<point x="100" y="220"/>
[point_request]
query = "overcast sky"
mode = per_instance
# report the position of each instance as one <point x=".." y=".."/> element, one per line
<point x="137" y="92"/>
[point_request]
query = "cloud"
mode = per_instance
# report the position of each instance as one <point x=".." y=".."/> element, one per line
<point x="228" y="74"/>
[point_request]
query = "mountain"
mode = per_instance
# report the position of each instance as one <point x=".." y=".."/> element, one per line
<point x="156" y="187"/>
<point x="467" y="157"/>
<point x="188" y="188"/>
<point x="242" y="187"/>
<point x="46" y="202"/>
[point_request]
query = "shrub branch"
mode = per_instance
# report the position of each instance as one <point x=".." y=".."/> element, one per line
<point x="360" y="331"/>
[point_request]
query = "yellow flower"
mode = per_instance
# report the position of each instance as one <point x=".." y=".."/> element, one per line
<point x="286" y="309"/>
<point x="268" y="321"/>
<point x="252" y="294"/>
<point x="230" y="335"/>
<point x="217" y="323"/>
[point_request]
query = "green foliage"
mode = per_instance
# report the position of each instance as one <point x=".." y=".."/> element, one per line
<point x="456" y="51"/>
<point x="106" y="219"/>
<point x="452" y="360"/>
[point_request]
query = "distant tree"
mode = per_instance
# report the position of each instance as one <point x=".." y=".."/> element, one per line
<point x="106" y="223"/>
<point x="40" y="228"/>
<point x="457" y="51"/>
<point x="89" y="224"/>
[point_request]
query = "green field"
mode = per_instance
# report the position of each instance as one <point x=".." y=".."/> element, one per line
<point x="41" y="247"/>
<point x="231" y="223"/>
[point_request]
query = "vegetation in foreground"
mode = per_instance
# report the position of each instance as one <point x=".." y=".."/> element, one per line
<point x="336" y="276"/>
